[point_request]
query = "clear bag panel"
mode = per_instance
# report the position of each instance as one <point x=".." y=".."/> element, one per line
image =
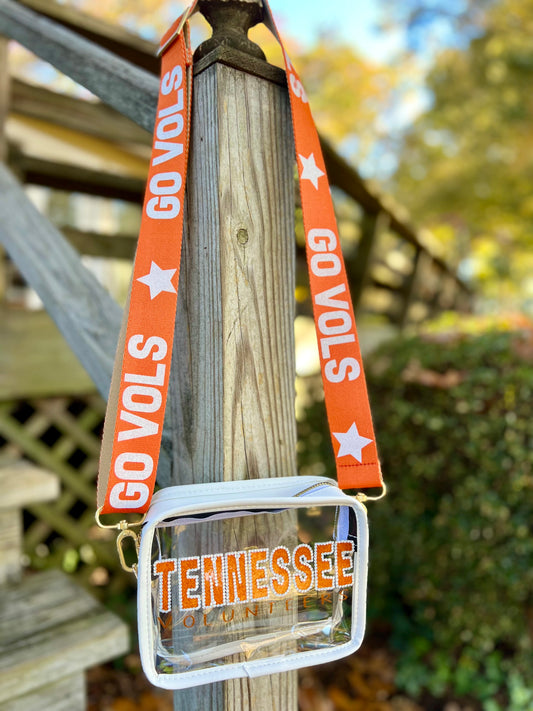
<point x="234" y="587"/>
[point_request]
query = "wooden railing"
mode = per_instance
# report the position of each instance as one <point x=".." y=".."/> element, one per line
<point x="119" y="61"/>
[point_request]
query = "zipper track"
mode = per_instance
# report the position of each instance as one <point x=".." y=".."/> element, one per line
<point x="314" y="486"/>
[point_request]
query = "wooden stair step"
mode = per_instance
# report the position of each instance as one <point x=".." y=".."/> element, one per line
<point x="50" y="628"/>
<point x="68" y="694"/>
<point x="22" y="484"/>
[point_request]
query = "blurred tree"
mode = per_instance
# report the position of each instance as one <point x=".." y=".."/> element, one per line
<point x="467" y="167"/>
<point x="424" y="21"/>
<point x="144" y="16"/>
<point x="349" y="94"/>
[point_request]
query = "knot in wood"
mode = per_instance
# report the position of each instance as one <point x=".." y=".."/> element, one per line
<point x="242" y="236"/>
<point x="230" y="21"/>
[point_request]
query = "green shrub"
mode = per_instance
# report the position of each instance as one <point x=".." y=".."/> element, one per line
<point x="451" y="547"/>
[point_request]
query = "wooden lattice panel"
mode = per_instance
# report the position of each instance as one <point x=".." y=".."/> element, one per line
<point x="62" y="435"/>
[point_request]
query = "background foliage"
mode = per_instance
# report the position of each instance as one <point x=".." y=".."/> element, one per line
<point x="466" y="164"/>
<point x="451" y="544"/>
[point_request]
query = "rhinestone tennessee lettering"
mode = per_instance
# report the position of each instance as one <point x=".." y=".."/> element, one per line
<point x="240" y="577"/>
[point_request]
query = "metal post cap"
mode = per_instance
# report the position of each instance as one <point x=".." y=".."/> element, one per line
<point x="231" y="20"/>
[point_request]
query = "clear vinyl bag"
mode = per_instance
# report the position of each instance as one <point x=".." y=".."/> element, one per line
<point x="248" y="578"/>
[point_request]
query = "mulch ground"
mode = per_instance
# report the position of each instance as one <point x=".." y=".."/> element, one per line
<point x="362" y="682"/>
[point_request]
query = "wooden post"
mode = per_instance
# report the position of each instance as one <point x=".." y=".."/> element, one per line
<point x="435" y="285"/>
<point x="372" y="226"/>
<point x="4" y="102"/>
<point x="4" y="95"/>
<point x="231" y="400"/>
<point x="408" y="289"/>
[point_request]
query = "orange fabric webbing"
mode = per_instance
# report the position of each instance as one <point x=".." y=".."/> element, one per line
<point x="134" y="420"/>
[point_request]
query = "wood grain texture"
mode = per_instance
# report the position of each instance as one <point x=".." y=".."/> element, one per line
<point x="27" y="371"/>
<point x="4" y="94"/>
<point x="116" y="38"/>
<point x="118" y="83"/>
<point x="66" y="694"/>
<point x="92" y="118"/>
<point x="97" y="244"/>
<point x="84" y="312"/>
<point x="4" y="101"/>
<point x="22" y="483"/>
<point x="10" y="545"/>
<point x="195" y="394"/>
<point x="69" y="177"/>
<point x="257" y="270"/>
<point x="82" y="309"/>
<point x="232" y="384"/>
<point x="50" y="629"/>
<point x="234" y="351"/>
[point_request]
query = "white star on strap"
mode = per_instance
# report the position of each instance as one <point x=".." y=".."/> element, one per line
<point x="310" y="170"/>
<point x="158" y="280"/>
<point x="352" y="443"/>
